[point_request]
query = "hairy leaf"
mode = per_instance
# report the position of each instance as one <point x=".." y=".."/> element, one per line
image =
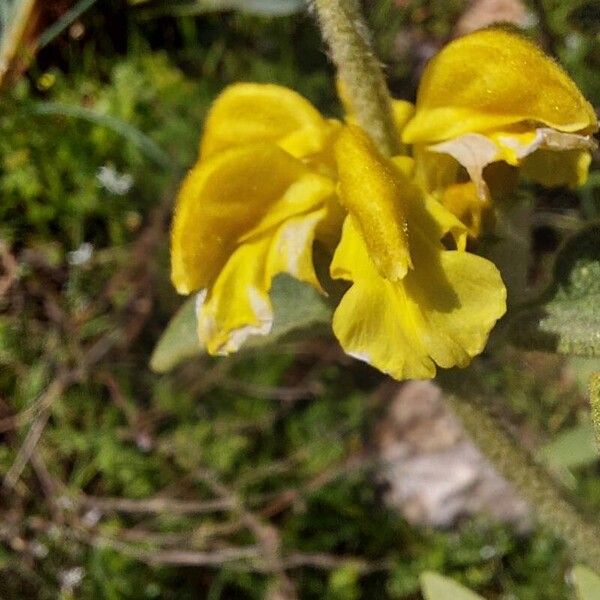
<point x="297" y="307"/>
<point x="567" y="317"/>
<point x="571" y="448"/>
<point x="436" y="587"/>
<point x="586" y="582"/>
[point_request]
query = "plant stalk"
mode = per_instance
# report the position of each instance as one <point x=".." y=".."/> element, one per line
<point x="513" y="462"/>
<point x="595" y="405"/>
<point x="345" y="31"/>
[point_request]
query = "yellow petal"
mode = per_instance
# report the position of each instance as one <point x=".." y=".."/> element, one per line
<point x="304" y="194"/>
<point x="237" y="305"/>
<point x="462" y="200"/>
<point x="552" y="168"/>
<point x="434" y="173"/>
<point x="351" y="257"/>
<point x="314" y="146"/>
<point x="490" y="79"/>
<point x="227" y="197"/>
<point x="444" y="221"/>
<point x="247" y="113"/>
<point x="374" y="192"/>
<point x="440" y="313"/>
<point x="475" y="151"/>
<point x="514" y="147"/>
<point x="402" y="112"/>
<point x="427" y="213"/>
<point x="330" y="228"/>
<point x="405" y="164"/>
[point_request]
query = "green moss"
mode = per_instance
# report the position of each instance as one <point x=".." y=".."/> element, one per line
<point x="121" y="431"/>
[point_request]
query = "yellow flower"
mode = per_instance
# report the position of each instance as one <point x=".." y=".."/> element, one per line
<point x="247" y="113"/>
<point x="421" y="304"/>
<point x="461" y="200"/>
<point x="274" y="175"/>
<point x="494" y="96"/>
<point x="264" y="189"/>
<point x="250" y="209"/>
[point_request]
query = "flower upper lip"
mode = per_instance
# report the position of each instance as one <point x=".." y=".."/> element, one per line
<point x="492" y="79"/>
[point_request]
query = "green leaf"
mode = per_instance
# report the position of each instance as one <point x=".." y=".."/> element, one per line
<point x="178" y="341"/>
<point x="436" y="587"/>
<point x="135" y="136"/>
<point x="567" y="318"/>
<point x="297" y="308"/>
<point x="572" y="448"/>
<point x="343" y="582"/>
<point x="586" y="582"/>
<point x="272" y="8"/>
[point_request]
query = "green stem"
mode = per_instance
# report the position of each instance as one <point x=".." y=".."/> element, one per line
<point x="347" y="34"/>
<point x="532" y="481"/>
<point x="595" y="404"/>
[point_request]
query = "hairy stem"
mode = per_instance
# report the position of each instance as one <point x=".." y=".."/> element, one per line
<point x="595" y="404"/>
<point x="531" y="480"/>
<point x="347" y="34"/>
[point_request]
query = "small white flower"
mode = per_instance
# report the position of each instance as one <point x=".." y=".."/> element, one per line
<point x="71" y="578"/>
<point x="81" y="255"/>
<point x="113" y="181"/>
<point x="487" y="552"/>
<point x="65" y="502"/>
<point x="38" y="550"/>
<point x="573" y="41"/>
<point x="91" y="517"/>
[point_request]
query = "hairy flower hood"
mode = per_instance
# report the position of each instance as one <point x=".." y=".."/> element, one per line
<point x="492" y="79"/>
<point x="493" y="95"/>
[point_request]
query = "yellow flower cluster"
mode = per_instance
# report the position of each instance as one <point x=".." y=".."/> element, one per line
<point x="275" y="176"/>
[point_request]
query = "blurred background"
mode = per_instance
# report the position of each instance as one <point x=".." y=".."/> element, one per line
<point x="289" y="472"/>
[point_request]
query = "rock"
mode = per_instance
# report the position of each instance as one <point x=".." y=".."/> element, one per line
<point x="483" y="13"/>
<point x="433" y="473"/>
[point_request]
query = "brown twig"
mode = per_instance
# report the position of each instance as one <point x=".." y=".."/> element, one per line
<point x="279" y="393"/>
<point x="52" y="392"/>
<point x="266" y="534"/>
<point x="157" y="505"/>
<point x="245" y="558"/>
<point x="10" y="266"/>
<point x="16" y="421"/>
<point x="290" y="497"/>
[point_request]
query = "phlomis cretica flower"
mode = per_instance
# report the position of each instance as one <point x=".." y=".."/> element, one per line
<point x="494" y="96"/>
<point x="274" y="176"/>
